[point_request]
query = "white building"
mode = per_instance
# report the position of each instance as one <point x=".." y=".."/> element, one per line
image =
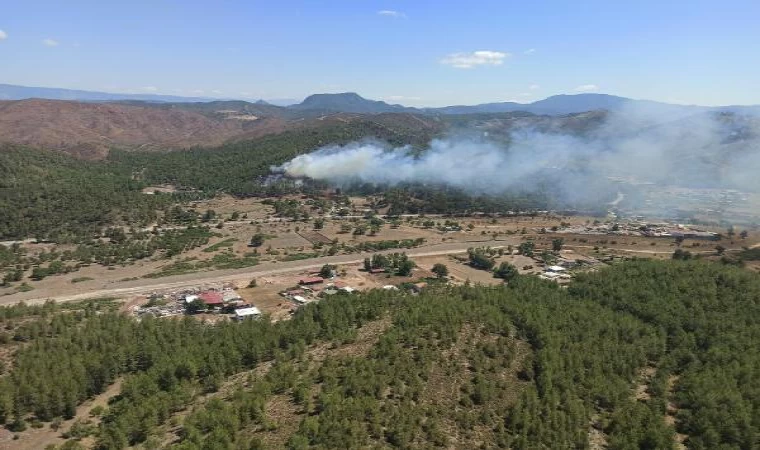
<point x="245" y="313"/>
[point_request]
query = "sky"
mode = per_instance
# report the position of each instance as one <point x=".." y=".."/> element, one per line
<point x="413" y="52"/>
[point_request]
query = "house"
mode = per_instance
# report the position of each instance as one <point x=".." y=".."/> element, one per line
<point x="390" y="287"/>
<point x="310" y="281"/>
<point x="348" y="289"/>
<point x="549" y="275"/>
<point x="377" y="270"/>
<point x="555" y="269"/>
<point x="247" y="313"/>
<point x="299" y="299"/>
<point x="191" y="298"/>
<point x="212" y="298"/>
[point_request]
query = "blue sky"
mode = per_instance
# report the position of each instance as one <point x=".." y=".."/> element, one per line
<point x="420" y="53"/>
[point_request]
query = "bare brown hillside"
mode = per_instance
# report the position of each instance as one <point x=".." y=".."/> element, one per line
<point x="90" y="129"/>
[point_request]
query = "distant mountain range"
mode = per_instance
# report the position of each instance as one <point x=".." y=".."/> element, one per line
<point x="14" y="92"/>
<point x="350" y="102"/>
<point x="554" y="105"/>
<point x="97" y="122"/>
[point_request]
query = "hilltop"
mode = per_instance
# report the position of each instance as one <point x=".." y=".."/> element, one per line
<point x="90" y="130"/>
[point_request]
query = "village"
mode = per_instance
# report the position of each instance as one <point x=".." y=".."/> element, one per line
<point x="640" y="227"/>
<point x="296" y="235"/>
<point x="280" y="296"/>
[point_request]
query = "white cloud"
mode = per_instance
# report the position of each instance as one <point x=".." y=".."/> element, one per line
<point x="525" y="94"/>
<point x="478" y="58"/>
<point x="199" y="91"/>
<point x="149" y="89"/>
<point x="587" y="88"/>
<point x="3" y="35"/>
<point x="50" y="42"/>
<point x="216" y="91"/>
<point x="534" y="87"/>
<point x="529" y="51"/>
<point x="391" y="13"/>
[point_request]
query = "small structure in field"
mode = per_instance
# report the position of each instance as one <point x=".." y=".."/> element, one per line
<point x="310" y="281"/>
<point x="247" y="313"/>
<point x="549" y="275"/>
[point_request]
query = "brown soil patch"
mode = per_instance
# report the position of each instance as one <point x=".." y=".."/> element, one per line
<point x="672" y="412"/>
<point x="597" y="438"/>
<point x="285" y="417"/>
<point x="315" y="237"/>
<point x="641" y="389"/>
<point x="459" y="272"/>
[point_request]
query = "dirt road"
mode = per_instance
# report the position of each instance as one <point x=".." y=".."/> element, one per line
<point x="144" y="286"/>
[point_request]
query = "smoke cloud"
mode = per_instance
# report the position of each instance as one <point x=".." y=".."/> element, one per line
<point x="571" y="153"/>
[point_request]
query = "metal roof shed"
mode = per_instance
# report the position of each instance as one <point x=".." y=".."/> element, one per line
<point x="244" y="313"/>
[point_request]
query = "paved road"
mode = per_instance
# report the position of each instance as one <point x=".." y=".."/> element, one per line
<point x="148" y="285"/>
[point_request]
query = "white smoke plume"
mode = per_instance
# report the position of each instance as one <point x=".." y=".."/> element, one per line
<point x="642" y="144"/>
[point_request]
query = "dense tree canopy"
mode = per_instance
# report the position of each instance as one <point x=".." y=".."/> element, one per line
<point x="523" y="365"/>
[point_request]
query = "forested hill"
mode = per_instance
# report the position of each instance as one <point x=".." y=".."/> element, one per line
<point x="47" y="194"/>
<point x="612" y="361"/>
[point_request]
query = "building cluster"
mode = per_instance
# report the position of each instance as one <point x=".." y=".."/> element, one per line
<point x="314" y="287"/>
<point x="640" y="228"/>
<point x="224" y="301"/>
<point x="565" y="265"/>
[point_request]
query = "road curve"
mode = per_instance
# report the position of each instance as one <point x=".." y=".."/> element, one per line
<point x="148" y="285"/>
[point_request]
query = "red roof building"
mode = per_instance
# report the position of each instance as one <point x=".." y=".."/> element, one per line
<point x="212" y="298"/>
<point x="311" y="280"/>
